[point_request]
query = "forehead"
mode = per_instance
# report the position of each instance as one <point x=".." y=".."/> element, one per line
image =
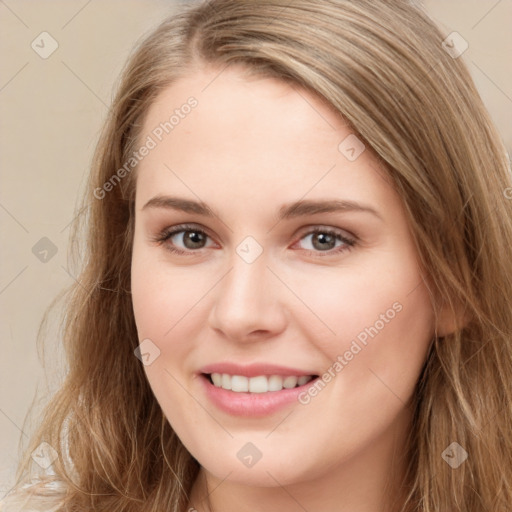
<point x="229" y="101"/>
<point x="242" y="134"/>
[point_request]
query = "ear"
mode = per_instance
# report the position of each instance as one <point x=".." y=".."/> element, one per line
<point x="450" y="320"/>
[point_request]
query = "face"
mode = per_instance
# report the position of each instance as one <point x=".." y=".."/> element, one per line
<point x="276" y="288"/>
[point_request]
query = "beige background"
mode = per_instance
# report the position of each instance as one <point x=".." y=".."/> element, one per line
<point x="51" y="111"/>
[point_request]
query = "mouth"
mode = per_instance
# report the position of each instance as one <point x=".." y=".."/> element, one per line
<point x="257" y="384"/>
<point x="255" y="396"/>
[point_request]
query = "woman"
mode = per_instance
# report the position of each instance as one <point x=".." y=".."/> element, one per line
<point x="297" y="292"/>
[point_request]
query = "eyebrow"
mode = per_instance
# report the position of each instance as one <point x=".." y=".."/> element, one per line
<point x="288" y="211"/>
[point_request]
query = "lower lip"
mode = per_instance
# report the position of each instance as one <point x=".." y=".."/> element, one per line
<point x="252" y="404"/>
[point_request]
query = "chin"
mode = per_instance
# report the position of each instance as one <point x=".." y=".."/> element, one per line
<point x="275" y="467"/>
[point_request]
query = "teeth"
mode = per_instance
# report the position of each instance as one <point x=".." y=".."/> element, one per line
<point x="217" y="379"/>
<point x="225" y="381"/>
<point x="275" y="383"/>
<point x="239" y="383"/>
<point x="290" y="382"/>
<point x="303" y="380"/>
<point x="259" y="384"/>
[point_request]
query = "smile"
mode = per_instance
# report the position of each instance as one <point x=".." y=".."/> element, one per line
<point x="255" y="390"/>
<point x="259" y="383"/>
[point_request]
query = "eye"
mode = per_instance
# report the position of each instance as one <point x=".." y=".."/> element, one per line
<point x="320" y="241"/>
<point x="183" y="239"/>
<point x="326" y="240"/>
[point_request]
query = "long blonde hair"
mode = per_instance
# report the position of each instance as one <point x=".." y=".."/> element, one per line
<point x="382" y="65"/>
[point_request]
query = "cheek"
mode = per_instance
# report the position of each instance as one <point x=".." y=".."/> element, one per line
<point x="163" y="294"/>
<point x="169" y="309"/>
<point x="166" y="312"/>
<point x="374" y="326"/>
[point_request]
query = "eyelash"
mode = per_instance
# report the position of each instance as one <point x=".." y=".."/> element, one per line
<point x="168" y="233"/>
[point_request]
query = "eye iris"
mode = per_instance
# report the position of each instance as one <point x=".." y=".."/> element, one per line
<point x="326" y="241"/>
<point x="193" y="239"/>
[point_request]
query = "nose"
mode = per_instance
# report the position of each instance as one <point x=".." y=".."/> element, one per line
<point x="248" y="302"/>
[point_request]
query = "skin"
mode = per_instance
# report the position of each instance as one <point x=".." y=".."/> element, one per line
<point x="248" y="148"/>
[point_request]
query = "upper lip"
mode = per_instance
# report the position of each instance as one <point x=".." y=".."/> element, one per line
<point x="253" y="369"/>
